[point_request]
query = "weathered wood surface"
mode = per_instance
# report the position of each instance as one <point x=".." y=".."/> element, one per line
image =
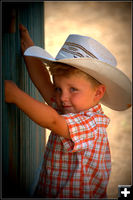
<point x="23" y="141"/>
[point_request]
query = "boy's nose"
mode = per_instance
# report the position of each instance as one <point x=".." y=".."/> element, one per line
<point x="64" y="97"/>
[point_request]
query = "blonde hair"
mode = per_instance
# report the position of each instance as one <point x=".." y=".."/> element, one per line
<point x="59" y="69"/>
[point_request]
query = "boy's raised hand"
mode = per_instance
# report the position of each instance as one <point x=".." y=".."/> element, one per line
<point x="25" y="38"/>
<point x="36" y="68"/>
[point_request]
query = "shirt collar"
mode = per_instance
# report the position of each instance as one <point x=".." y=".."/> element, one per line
<point x="97" y="109"/>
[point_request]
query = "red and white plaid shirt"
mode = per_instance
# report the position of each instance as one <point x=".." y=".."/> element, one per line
<point x="78" y="167"/>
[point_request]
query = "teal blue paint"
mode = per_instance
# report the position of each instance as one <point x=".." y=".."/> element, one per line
<point x="22" y="143"/>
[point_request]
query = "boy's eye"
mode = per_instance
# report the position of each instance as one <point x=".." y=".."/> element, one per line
<point x="73" y="89"/>
<point x="58" y="90"/>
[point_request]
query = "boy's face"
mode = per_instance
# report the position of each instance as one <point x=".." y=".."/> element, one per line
<point x="73" y="94"/>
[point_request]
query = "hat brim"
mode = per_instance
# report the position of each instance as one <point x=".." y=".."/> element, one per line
<point x="118" y="85"/>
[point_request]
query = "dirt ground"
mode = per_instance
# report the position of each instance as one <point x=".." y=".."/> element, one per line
<point x="110" y="24"/>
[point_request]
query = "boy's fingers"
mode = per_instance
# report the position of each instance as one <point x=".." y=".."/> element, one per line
<point x="22" y="29"/>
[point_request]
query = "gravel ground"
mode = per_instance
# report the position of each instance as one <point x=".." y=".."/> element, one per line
<point x="110" y="24"/>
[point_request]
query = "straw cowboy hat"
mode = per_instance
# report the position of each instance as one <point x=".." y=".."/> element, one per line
<point x="90" y="56"/>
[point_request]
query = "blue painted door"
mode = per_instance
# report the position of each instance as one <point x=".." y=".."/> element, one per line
<point x="23" y="142"/>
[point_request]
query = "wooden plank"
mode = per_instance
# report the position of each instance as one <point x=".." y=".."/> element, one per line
<point x="23" y="142"/>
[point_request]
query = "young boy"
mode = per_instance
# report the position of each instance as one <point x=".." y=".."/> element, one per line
<point x="77" y="161"/>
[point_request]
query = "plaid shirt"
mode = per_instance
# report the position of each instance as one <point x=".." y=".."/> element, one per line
<point x="78" y="167"/>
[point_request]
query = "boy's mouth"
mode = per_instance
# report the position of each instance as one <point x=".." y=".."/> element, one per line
<point x="66" y="106"/>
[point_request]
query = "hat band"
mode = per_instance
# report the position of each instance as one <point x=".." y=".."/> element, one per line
<point x="72" y="48"/>
<point x="71" y="52"/>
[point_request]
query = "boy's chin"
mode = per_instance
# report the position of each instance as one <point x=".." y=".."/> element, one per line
<point x="68" y="110"/>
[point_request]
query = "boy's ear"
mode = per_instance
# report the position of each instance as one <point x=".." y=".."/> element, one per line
<point x="100" y="90"/>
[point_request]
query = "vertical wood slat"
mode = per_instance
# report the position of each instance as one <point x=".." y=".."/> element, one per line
<point x="22" y="140"/>
<point x="10" y="125"/>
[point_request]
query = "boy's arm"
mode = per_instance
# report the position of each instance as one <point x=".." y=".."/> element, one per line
<point x="40" y="77"/>
<point x="36" y="69"/>
<point x="40" y="113"/>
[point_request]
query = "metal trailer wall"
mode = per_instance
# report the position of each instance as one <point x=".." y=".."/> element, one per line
<point x="23" y="142"/>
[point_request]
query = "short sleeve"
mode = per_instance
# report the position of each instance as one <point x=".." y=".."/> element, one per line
<point x="83" y="132"/>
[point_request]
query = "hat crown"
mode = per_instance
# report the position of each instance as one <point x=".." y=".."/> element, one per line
<point x="78" y="46"/>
